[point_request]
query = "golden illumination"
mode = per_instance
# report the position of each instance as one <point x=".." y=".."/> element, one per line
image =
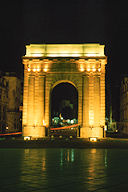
<point x="37" y="55"/>
<point x="45" y="68"/>
<point x="44" y="124"/>
<point x="38" y="69"/>
<point x="94" y="69"/>
<point x="91" y="118"/>
<point x="34" y="70"/>
<point x="91" y="54"/>
<point x="65" y="50"/>
<point x="81" y="68"/>
<point x="88" y="69"/>
<point x="93" y="139"/>
<point x="27" y="138"/>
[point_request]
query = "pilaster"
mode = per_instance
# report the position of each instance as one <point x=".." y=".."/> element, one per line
<point x="25" y="96"/>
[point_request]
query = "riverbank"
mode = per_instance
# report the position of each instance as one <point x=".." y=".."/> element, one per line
<point x="65" y="143"/>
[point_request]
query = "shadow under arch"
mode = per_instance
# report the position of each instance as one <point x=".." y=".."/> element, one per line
<point x="64" y="100"/>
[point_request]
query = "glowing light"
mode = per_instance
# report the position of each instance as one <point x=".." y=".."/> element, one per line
<point x="44" y="123"/>
<point x="94" y="69"/>
<point x="27" y="138"/>
<point x="88" y="69"/>
<point x="38" y="69"/>
<point x="105" y="128"/>
<point x="76" y="55"/>
<point x="93" y="139"/>
<point x="45" y="69"/>
<point x="37" y="55"/>
<point x="91" y="54"/>
<point x="72" y="121"/>
<point x="29" y="69"/>
<point x="67" y="127"/>
<point x="53" y="55"/>
<point x="65" y="50"/>
<point x="16" y="133"/>
<point x="99" y="69"/>
<point x="34" y="70"/>
<point x="81" y="69"/>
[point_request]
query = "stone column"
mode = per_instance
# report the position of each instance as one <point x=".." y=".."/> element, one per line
<point x="85" y="114"/>
<point x="36" y="101"/>
<point x="25" y="97"/>
<point x="28" y="129"/>
<point x="47" y="102"/>
<point x="39" y="129"/>
<point x="97" y="130"/>
<point x="80" y="104"/>
<point x="42" y="104"/>
<point x="102" y="98"/>
<point x="97" y="101"/>
<point x="91" y="100"/>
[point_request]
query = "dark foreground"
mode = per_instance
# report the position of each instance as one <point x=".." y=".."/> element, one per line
<point x="63" y="170"/>
<point x="65" y="143"/>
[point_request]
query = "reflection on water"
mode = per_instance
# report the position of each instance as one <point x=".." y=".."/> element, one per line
<point x="63" y="170"/>
<point x="66" y="155"/>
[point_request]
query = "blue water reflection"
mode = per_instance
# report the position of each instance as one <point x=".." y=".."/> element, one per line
<point x="63" y="170"/>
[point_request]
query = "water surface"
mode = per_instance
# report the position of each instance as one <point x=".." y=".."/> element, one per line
<point x="63" y="170"/>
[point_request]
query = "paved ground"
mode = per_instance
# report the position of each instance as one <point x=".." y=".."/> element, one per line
<point x="65" y="143"/>
<point x="62" y="169"/>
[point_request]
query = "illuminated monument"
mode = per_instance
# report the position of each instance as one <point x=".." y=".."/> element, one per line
<point x="47" y="65"/>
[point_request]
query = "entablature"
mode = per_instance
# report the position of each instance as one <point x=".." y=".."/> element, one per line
<point x="73" y="65"/>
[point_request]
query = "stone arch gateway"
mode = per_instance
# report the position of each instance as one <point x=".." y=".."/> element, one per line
<point x="46" y="65"/>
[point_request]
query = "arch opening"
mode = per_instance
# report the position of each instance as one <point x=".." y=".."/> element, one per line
<point x="64" y="107"/>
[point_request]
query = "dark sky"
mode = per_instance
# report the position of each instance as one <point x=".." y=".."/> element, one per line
<point x="69" y="21"/>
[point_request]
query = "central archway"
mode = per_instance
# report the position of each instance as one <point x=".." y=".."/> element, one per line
<point x="64" y="105"/>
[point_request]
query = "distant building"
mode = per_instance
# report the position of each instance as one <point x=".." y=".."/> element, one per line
<point x="3" y="103"/>
<point x="124" y="105"/>
<point x="14" y="116"/>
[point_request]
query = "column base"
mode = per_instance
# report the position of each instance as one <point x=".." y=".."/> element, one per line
<point x="34" y="132"/>
<point x="91" y="132"/>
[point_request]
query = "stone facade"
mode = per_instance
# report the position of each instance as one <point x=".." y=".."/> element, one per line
<point x="15" y="99"/>
<point x="124" y="106"/>
<point x="3" y="103"/>
<point x="45" y="66"/>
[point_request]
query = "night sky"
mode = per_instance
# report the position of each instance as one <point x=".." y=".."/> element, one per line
<point x="69" y="21"/>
